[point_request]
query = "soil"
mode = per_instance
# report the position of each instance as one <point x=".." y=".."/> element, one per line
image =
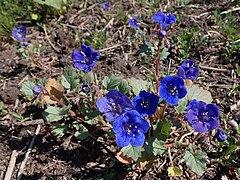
<point x="94" y="158"/>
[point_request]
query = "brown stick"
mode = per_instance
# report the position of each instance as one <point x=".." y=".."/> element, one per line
<point x="22" y="166"/>
<point x="11" y="165"/>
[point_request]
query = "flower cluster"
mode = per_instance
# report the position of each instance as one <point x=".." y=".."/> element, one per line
<point x="86" y="58"/>
<point x="202" y="116"/>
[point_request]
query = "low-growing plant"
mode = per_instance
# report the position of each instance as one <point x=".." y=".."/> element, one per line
<point x="142" y="115"/>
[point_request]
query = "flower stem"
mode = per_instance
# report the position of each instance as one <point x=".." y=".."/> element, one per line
<point x="71" y="112"/>
<point x="163" y="111"/>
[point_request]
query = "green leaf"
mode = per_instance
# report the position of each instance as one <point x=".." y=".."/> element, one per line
<point x="162" y="130"/>
<point x="133" y="152"/>
<point x="196" y="161"/>
<point x="158" y="148"/>
<point x="137" y="85"/>
<point x="59" y="130"/>
<point x="88" y="78"/>
<point x="55" y="113"/>
<point x="111" y="82"/>
<point x="181" y="107"/>
<point x="70" y="78"/>
<point x="231" y="149"/>
<point x="123" y="86"/>
<point x="198" y="93"/>
<point x="27" y="89"/>
<point x="53" y="3"/>
<point x="82" y="132"/>
<point x="164" y="53"/>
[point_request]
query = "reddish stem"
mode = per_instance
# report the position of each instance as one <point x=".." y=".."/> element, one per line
<point x="163" y="111"/>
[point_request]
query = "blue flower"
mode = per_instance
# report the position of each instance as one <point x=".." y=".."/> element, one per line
<point x="19" y="32"/>
<point x="86" y="58"/>
<point x="105" y="5"/>
<point x="146" y="103"/>
<point x="172" y="89"/>
<point x="133" y="22"/>
<point x="130" y="129"/>
<point x="202" y="116"/>
<point x="188" y="70"/>
<point x="114" y="104"/>
<point x="164" y="19"/>
<point x="37" y="90"/>
<point x="221" y="136"/>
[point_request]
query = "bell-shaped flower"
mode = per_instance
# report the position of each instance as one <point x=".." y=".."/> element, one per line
<point x="130" y="129"/>
<point x="114" y="104"/>
<point x="145" y="103"/>
<point x="203" y="117"/>
<point x="172" y="89"/>
<point x="188" y="70"/>
<point x="19" y="32"/>
<point x="86" y="58"/>
<point x="164" y="19"/>
<point x="221" y="136"/>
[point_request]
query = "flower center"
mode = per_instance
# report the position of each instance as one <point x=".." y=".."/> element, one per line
<point x="131" y="129"/>
<point x="203" y="116"/>
<point x="145" y="104"/>
<point x="87" y="60"/>
<point x="116" y="107"/>
<point x="172" y="89"/>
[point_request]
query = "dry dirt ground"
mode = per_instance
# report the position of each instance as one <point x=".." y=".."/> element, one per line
<point x="68" y="158"/>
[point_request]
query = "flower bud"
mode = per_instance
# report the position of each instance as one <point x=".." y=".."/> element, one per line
<point x="221" y="136"/>
<point x="37" y="90"/>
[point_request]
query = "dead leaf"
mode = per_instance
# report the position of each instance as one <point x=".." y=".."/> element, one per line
<point x="123" y="159"/>
<point x="54" y="88"/>
<point x="188" y="82"/>
<point x="174" y="171"/>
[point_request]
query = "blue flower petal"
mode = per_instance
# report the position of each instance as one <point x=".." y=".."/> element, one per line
<point x="214" y="123"/>
<point x="118" y="124"/>
<point x="138" y="139"/>
<point x="172" y="100"/>
<point x="182" y="92"/>
<point x="103" y="105"/>
<point x="200" y="127"/>
<point x="122" y="139"/>
<point x="213" y="110"/>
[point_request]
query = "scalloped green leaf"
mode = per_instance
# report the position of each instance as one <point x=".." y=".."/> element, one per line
<point x="110" y="82"/>
<point x="55" y="113"/>
<point x="81" y="131"/>
<point x="27" y="89"/>
<point x="137" y="85"/>
<point x="59" y="130"/>
<point x="133" y="152"/>
<point x="198" y="93"/>
<point x="196" y="161"/>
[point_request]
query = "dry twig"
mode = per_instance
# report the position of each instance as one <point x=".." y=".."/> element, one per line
<point x="22" y="166"/>
<point x="11" y="165"/>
